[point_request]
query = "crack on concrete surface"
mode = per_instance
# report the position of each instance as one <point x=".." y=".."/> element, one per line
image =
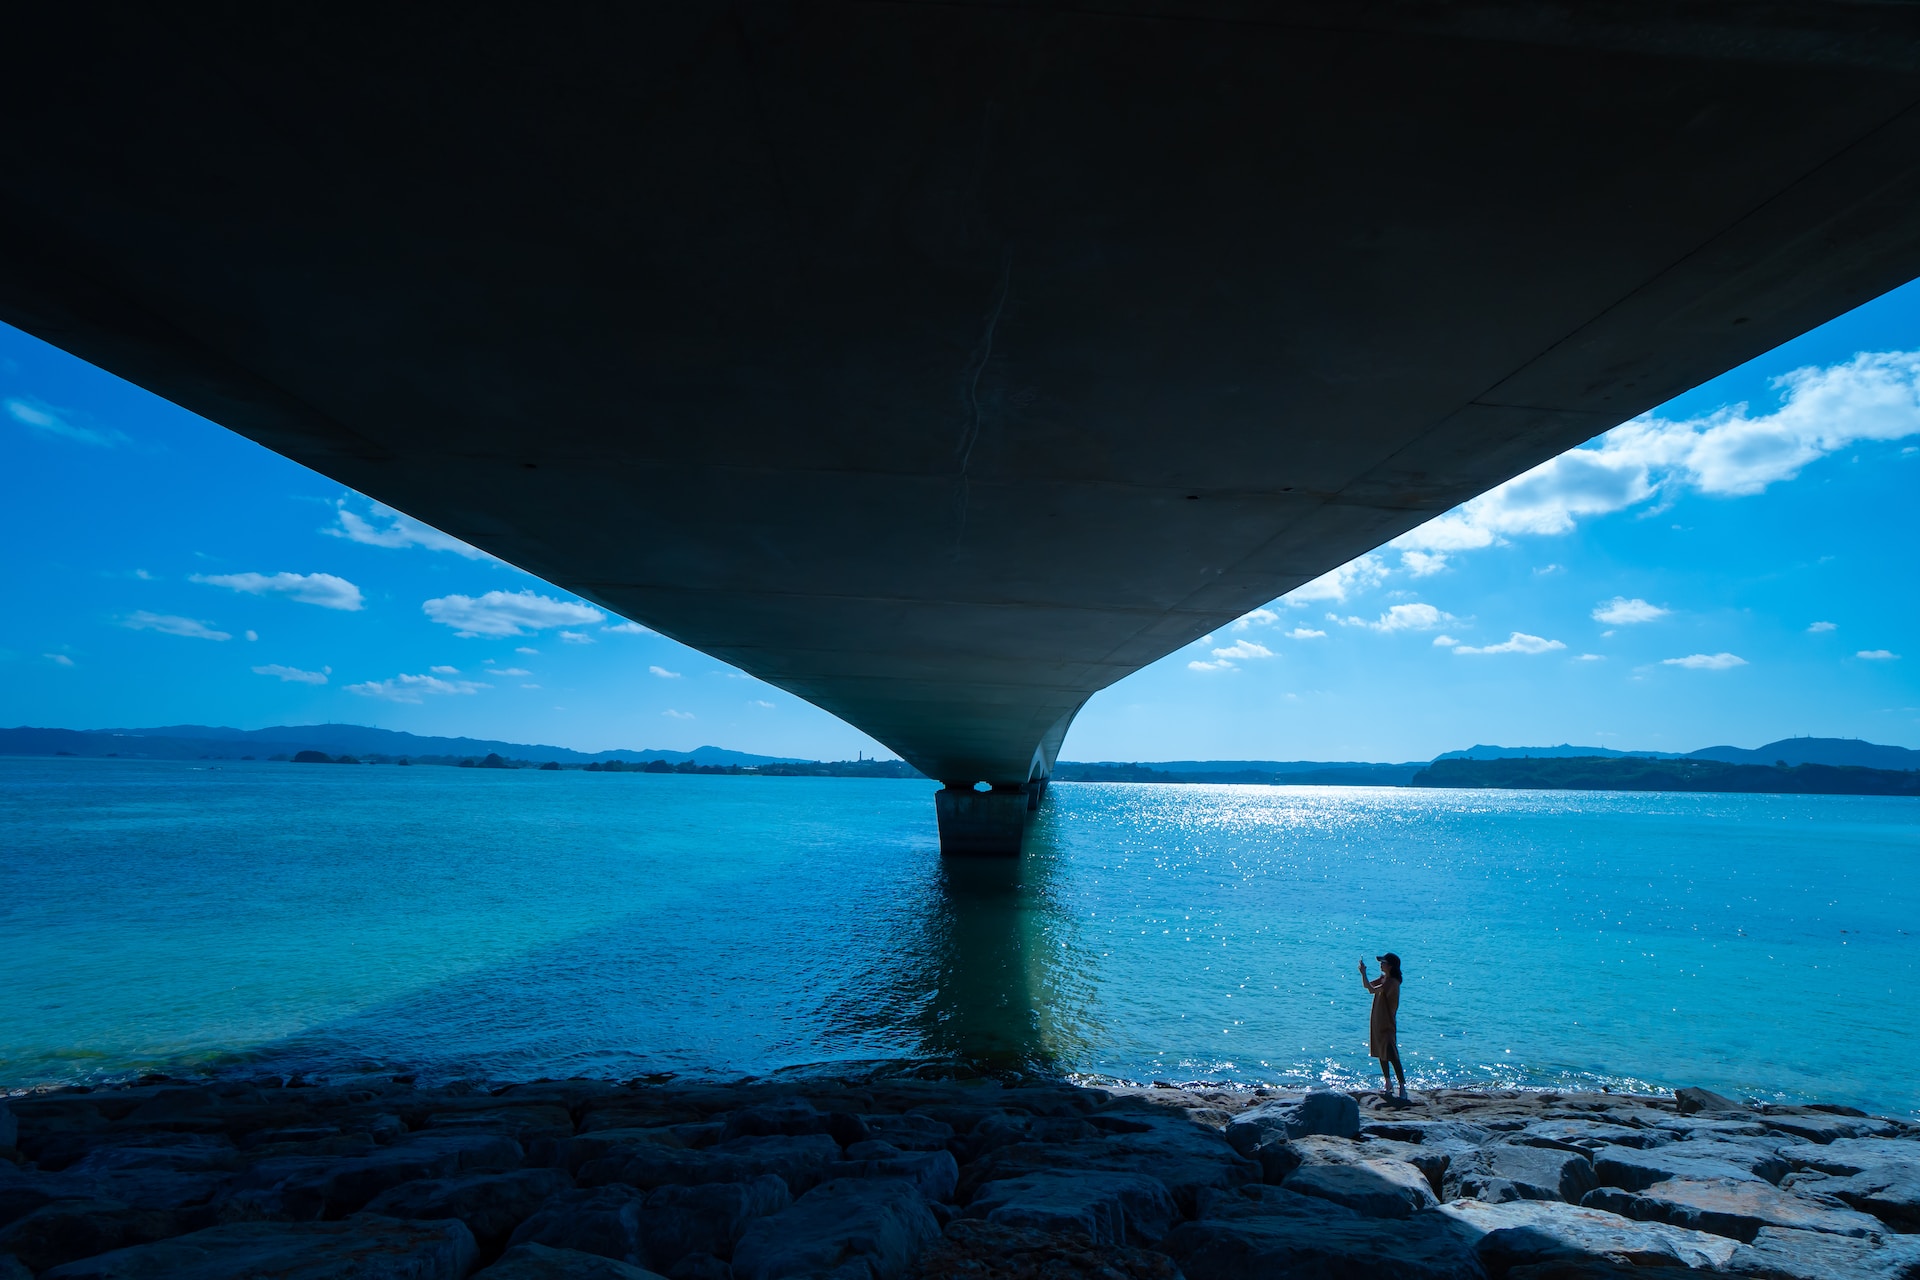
<point x="976" y="365"/>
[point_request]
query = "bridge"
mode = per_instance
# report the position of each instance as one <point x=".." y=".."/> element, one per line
<point x="943" y="363"/>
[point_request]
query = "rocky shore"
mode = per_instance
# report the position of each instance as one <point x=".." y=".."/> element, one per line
<point x="888" y="1174"/>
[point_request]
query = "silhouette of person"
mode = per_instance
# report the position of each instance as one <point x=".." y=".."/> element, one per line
<point x="1383" y="1031"/>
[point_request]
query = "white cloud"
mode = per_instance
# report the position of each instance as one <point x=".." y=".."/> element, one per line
<point x="529" y="686"/>
<point x="761" y="702"/>
<point x="143" y="575"/>
<point x="1422" y="564"/>
<point x="1877" y="655"/>
<point x="524" y="649"/>
<point x="505" y="671"/>
<point x="576" y="637"/>
<point x="1728" y="453"/>
<point x="293" y="675"/>
<point x="508" y="613"/>
<point x="395" y="530"/>
<point x="628" y="629"/>
<point x="1706" y="661"/>
<point x="252" y="634"/>
<point x="48" y="421"/>
<point x="1211" y="666"/>
<point x="671" y="714"/>
<point x="173" y="625"/>
<point x="1818" y="627"/>
<point x="1244" y="649"/>
<point x="406" y="688"/>
<point x="445" y="671"/>
<point x="1305" y="633"/>
<point x="1263" y="617"/>
<point x="1401" y="617"/>
<point x="1337" y="584"/>
<point x="1621" y="611"/>
<point x="322" y="589"/>
<point x="58" y="659"/>
<point x="664" y="674"/>
<point x="1590" y="657"/>
<point x="1444" y="642"/>
<point x="1518" y="642"/>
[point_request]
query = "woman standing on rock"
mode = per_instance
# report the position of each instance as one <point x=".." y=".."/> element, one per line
<point x="1383" y="1031"/>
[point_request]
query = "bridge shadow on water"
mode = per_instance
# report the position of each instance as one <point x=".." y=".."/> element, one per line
<point x="970" y="961"/>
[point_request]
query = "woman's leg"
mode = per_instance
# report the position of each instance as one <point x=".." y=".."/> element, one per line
<point x="1397" y="1067"/>
<point x="1386" y="1077"/>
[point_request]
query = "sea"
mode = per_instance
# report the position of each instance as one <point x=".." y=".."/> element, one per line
<point x="501" y="925"/>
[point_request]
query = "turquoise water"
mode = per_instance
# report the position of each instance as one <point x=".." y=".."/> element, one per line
<point x="516" y="924"/>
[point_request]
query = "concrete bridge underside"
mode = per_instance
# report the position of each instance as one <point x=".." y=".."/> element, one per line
<point x="944" y="363"/>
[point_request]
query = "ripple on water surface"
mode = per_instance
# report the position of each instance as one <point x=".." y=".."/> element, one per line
<point x="527" y="923"/>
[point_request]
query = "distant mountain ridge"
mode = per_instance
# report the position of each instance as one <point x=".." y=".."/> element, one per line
<point x="195" y="741"/>
<point x="1836" y="752"/>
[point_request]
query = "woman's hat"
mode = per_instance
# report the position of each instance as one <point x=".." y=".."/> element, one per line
<point x="1389" y="958"/>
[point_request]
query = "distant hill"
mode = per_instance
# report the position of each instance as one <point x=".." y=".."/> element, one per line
<point x="196" y="742"/>
<point x="1481" y="751"/>
<point x="1829" y="751"/>
<point x="1317" y="773"/>
<point x="1639" y="773"/>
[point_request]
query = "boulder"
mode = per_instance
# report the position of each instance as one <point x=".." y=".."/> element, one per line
<point x="798" y="1161"/>
<point x="933" y="1173"/>
<point x="539" y="1262"/>
<point x="1372" y="1188"/>
<point x="1187" y="1157"/>
<point x="601" y="1220"/>
<point x="1890" y="1192"/>
<point x="1635" y="1169"/>
<point x="1534" y="1231"/>
<point x="1321" y="1112"/>
<point x="491" y="1204"/>
<point x="1736" y="1208"/>
<point x="1107" y="1208"/>
<point x="65" y="1230"/>
<point x="974" y="1249"/>
<point x="365" y="1248"/>
<point x="852" y="1228"/>
<point x="676" y="1222"/>
<point x="1507" y="1171"/>
<point x="1694" y="1101"/>
<point x="9" y="1127"/>
<point x="11" y="1268"/>
<point x="1255" y="1232"/>
<point x="1778" y="1254"/>
<point x="795" y="1119"/>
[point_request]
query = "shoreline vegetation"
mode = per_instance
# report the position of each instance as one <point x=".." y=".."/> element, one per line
<point x="932" y="1171"/>
<point x="1791" y="766"/>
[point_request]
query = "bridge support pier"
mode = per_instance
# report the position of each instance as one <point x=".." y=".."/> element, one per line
<point x="983" y="823"/>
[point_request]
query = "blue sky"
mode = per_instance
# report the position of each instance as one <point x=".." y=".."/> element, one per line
<point x="1736" y="567"/>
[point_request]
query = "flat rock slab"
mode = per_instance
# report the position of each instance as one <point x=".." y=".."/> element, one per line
<point x="975" y="1249"/>
<point x="1633" y="1169"/>
<point x="1372" y="1188"/>
<point x="342" y="1187"/>
<point x="1257" y="1232"/>
<point x="1845" y="1157"/>
<point x="538" y="1262"/>
<point x="1777" y="1254"/>
<point x="797" y="1161"/>
<point x="852" y="1229"/>
<point x="491" y="1204"/>
<point x="1593" y="1134"/>
<point x="1107" y="1208"/>
<point x="1890" y="1192"/>
<point x="364" y="1249"/>
<point x="1530" y="1231"/>
<point x="1823" y="1128"/>
<point x="66" y="1230"/>
<point x="934" y="1174"/>
<point x="1733" y="1207"/>
<point x="1507" y="1171"/>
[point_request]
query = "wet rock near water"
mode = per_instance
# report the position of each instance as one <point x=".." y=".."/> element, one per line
<point x="908" y="1172"/>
